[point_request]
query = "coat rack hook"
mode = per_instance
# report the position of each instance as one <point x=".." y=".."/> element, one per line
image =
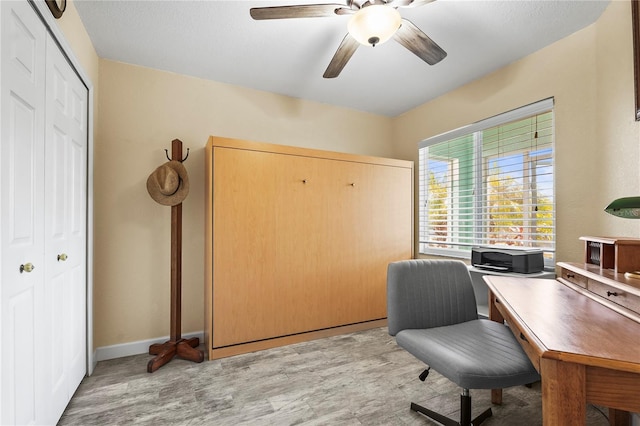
<point x="166" y="152"/>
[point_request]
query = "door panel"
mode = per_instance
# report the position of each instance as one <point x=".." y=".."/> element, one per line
<point x="77" y="345"/>
<point x="65" y="230"/>
<point x="20" y="359"/>
<point x="22" y="92"/>
<point x="56" y="171"/>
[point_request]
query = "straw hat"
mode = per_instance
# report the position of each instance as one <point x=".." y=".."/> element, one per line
<point x="169" y="183"/>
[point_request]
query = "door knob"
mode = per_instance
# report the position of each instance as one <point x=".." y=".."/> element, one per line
<point x="62" y="257"/>
<point x="27" y="267"/>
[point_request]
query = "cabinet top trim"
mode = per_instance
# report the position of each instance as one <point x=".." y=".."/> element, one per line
<point x="613" y="240"/>
<point x="220" y="142"/>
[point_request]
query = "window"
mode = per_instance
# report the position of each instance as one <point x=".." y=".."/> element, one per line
<point x="490" y="184"/>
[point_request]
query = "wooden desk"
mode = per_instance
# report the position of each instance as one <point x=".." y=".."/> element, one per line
<point x="584" y="351"/>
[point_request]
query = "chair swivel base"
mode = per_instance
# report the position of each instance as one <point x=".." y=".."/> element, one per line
<point x="465" y="414"/>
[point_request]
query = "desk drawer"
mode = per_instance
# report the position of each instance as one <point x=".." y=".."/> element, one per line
<point x="617" y="296"/>
<point x="532" y="351"/>
<point x="574" y="278"/>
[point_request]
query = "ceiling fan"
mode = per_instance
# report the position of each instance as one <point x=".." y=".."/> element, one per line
<point x="372" y="22"/>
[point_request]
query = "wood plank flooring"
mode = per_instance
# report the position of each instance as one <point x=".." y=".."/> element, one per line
<point x="361" y="378"/>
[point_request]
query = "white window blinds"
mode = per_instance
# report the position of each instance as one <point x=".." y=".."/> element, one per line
<point x="490" y="184"/>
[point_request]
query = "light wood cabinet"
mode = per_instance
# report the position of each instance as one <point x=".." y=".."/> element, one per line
<point x="298" y="242"/>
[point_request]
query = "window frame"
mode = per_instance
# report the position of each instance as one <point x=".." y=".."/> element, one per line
<point x="480" y="180"/>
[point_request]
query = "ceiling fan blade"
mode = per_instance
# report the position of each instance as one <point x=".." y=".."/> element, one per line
<point x="419" y="43"/>
<point x="408" y="3"/>
<point x="299" y="11"/>
<point x="345" y="51"/>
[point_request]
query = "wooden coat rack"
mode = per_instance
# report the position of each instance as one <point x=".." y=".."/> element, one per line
<point x="176" y="345"/>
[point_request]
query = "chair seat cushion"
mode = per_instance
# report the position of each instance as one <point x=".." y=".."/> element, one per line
<point x="477" y="354"/>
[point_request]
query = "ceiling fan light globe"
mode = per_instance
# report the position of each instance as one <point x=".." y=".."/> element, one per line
<point x="374" y="24"/>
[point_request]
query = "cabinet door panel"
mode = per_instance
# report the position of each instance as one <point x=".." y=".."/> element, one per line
<point x="344" y="233"/>
<point x="243" y="246"/>
<point x="391" y="238"/>
<point x="370" y="227"/>
<point x="302" y="252"/>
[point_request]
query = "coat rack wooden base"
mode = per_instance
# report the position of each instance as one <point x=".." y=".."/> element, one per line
<point x="184" y="348"/>
<point x="176" y="345"/>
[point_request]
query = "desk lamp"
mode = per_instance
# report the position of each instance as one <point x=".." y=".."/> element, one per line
<point x="627" y="208"/>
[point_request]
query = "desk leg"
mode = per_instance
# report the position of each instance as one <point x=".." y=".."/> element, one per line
<point x="495" y="315"/>
<point x="564" y="396"/>
<point x="496" y="396"/>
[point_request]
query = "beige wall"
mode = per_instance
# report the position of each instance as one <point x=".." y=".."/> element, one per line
<point x="140" y="111"/>
<point x="590" y="75"/>
<point x="79" y="41"/>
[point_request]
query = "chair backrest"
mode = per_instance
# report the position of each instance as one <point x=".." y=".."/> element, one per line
<point x="425" y="293"/>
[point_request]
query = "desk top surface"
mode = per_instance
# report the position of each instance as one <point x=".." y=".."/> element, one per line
<point x="568" y="325"/>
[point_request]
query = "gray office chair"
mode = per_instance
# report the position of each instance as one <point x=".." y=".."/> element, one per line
<point x="431" y="310"/>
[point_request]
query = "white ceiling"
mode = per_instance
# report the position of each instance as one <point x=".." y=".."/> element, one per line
<point x="218" y="40"/>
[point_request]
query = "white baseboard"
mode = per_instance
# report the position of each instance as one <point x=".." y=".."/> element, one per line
<point x="134" y="348"/>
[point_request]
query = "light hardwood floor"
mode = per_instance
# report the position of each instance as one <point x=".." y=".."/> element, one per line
<point x="355" y="379"/>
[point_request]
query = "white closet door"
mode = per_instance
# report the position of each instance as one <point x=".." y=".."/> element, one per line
<point x="22" y="91"/>
<point x="43" y="202"/>
<point x="65" y="229"/>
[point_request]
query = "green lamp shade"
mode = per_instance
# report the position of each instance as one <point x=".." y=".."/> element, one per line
<point x="628" y="207"/>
